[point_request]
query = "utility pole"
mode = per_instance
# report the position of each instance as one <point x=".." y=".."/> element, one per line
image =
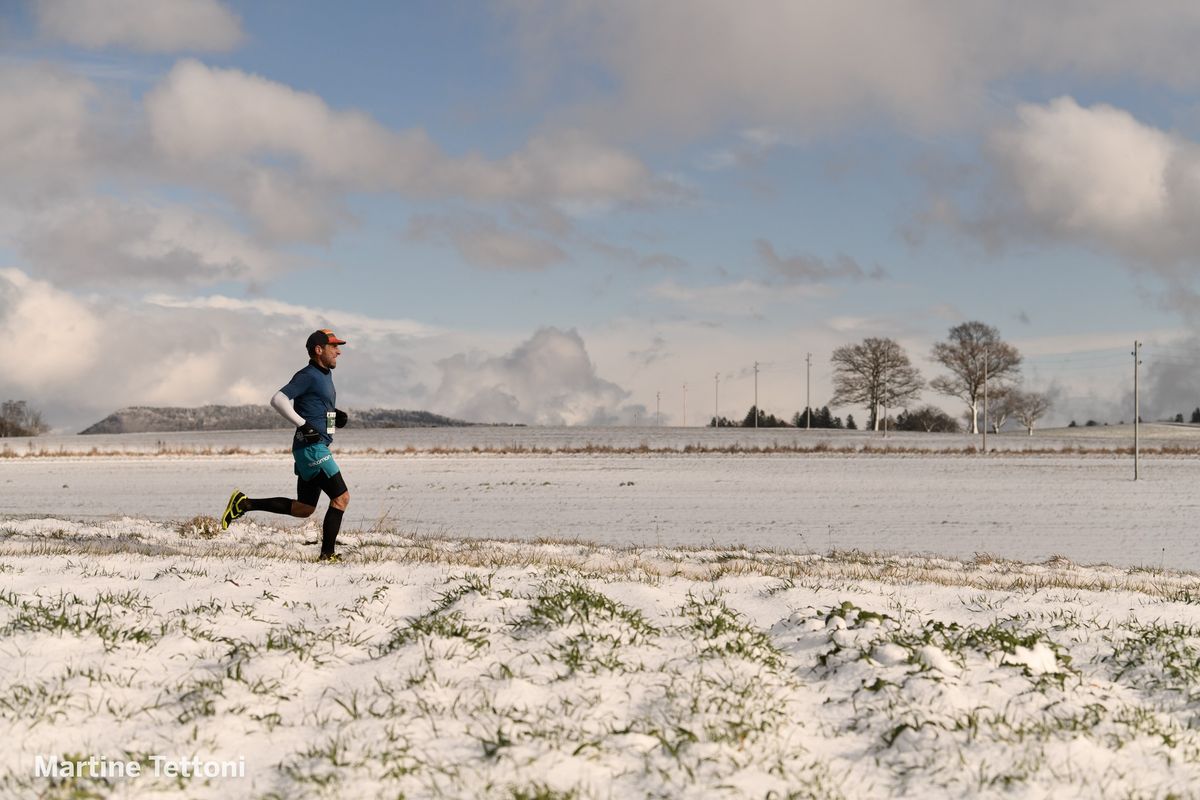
<point x="985" y="406"/>
<point x="685" y="405"/>
<point x="716" y="399"/>
<point x="756" y="395"/>
<point x="657" y="405"/>
<point x="1137" y="349"/>
<point x="808" y="394"/>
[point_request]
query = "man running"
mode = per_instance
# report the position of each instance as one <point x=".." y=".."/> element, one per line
<point x="308" y="402"/>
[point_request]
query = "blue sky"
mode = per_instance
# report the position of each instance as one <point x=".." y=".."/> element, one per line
<point x="549" y="212"/>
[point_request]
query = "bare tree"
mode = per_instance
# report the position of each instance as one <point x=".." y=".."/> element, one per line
<point x="1029" y="407"/>
<point x="876" y="373"/>
<point x="1000" y="405"/>
<point x="965" y="352"/>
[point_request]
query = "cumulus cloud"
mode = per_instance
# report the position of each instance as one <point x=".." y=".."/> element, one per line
<point x="274" y="166"/>
<point x="480" y="241"/>
<point x="808" y="268"/>
<point x="360" y="326"/>
<point x="1093" y="172"/>
<point x="54" y="337"/>
<point x="169" y="349"/>
<point x="103" y="241"/>
<point x="1091" y="176"/>
<point x="547" y="380"/>
<point x="83" y="356"/>
<point x="148" y="25"/>
<point x="691" y="67"/>
<point x="199" y="115"/>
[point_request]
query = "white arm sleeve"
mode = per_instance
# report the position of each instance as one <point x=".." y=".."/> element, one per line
<point x="281" y="404"/>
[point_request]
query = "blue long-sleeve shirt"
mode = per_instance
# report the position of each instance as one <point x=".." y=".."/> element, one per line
<point x="313" y="396"/>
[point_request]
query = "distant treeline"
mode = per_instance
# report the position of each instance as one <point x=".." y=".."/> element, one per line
<point x="927" y="419"/>
<point x="808" y="418"/>
<point x="148" y="419"/>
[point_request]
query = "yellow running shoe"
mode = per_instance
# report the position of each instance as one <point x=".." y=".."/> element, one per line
<point x="234" y="509"/>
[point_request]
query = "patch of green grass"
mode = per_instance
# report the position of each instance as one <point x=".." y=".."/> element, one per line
<point x="315" y="644"/>
<point x="1157" y="657"/>
<point x="447" y="625"/>
<point x="721" y="631"/>
<point x="70" y="614"/>
<point x="440" y="621"/>
<point x="197" y="697"/>
<point x="321" y="764"/>
<point x="38" y="702"/>
<point x="573" y="603"/>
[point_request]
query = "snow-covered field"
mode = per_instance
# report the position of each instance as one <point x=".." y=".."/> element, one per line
<point x="482" y="669"/>
<point x="1101" y="438"/>
<point x="605" y="623"/>
<point x="1085" y="507"/>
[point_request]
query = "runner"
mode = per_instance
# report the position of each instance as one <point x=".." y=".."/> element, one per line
<point x="308" y="402"/>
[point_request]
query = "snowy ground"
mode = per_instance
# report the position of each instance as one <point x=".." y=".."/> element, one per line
<point x="486" y="669"/>
<point x="742" y="624"/>
<point x="507" y="439"/>
<point x="1086" y="508"/>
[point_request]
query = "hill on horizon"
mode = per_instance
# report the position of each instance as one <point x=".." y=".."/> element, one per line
<point x="168" y="419"/>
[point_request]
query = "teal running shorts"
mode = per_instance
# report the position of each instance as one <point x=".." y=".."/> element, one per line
<point x="313" y="460"/>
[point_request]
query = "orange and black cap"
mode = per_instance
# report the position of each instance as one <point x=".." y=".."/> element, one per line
<point x="321" y="338"/>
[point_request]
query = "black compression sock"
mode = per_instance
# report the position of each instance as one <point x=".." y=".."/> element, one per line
<point x="275" y="505"/>
<point x="329" y="530"/>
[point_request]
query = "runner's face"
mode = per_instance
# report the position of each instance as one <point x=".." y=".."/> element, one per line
<point x="327" y="355"/>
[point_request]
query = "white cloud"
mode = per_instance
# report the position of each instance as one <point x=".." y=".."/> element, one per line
<point x="280" y="159"/>
<point x="347" y="323"/>
<point x="156" y="26"/>
<point x="52" y="337"/>
<point x="202" y="116"/>
<point x="547" y="380"/>
<point x="1088" y="171"/>
<point x="286" y="208"/>
<point x="103" y="241"/>
<point x="691" y="67"/>
<point x="81" y="357"/>
<point x="1093" y="176"/>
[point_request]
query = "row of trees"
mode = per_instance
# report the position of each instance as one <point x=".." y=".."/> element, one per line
<point x="926" y="419"/>
<point x="808" y="418"/>
<point x="878" y="374"/>
<point x="18" y="419"/>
